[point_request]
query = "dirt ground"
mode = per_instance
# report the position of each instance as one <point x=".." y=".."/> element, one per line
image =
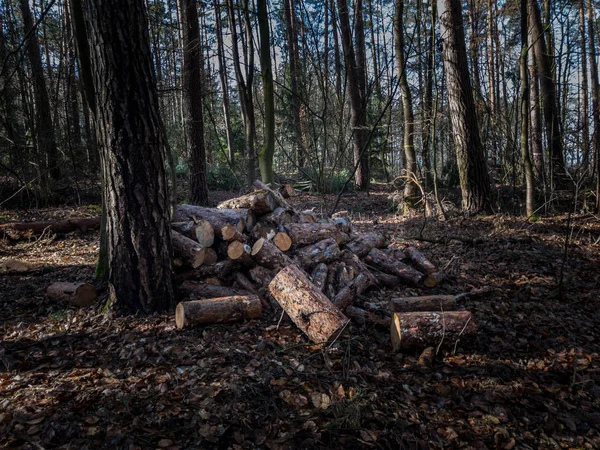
<point x="80" y="379"/>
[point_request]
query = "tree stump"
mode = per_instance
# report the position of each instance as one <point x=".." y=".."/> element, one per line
<point x="218" y="310"/>
<point x="78" y="294"/>
<point x="306" y="305"/>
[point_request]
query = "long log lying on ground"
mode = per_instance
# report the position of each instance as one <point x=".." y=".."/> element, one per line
<point x="362" y="317"/>
<point x="190" y="251"/>
<point x="385" y="279"/>
<point x="306" y="305"/>
<point x="362" y="244"/>
<point x="218" y="218"/>
<point x="413" y="330"/>
<point x="78" y="294"/>
<point x="394" y="267"/>
<point x="261" y="202"/>
<point x="425" y="303"/>
<point x="322" y="251"/>
<point x="267" y="254"/>
<point x="419" y="260"/>
<point x="199" y="289"/>
<point x="309" y="233"/>
<point x="54" y="226"/>
<point x="217" y="310"/>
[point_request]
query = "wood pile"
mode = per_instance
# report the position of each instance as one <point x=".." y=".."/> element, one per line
<point x="234" y="260"/>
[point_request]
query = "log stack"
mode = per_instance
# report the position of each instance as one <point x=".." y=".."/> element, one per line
<point x="315" y="270"/>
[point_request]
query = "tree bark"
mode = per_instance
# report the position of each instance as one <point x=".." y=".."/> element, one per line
<point x="309" y="233"/>
<point x="472" y="167"/>
<point x="218" y="218"/>
<point x="260" y="202"/>
<point x="595" y="86"/>
<point x="527" y="166"/>
<point x="323" y="251"/>
<point x="266" y="153"/>
<point x="266" y="254"/>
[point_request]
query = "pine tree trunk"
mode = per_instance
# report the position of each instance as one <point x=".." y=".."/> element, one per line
<point x="132" y="155"/>
<point x="595" y="85"/>
<point x="527" y="166"/>
<point x="266" y="153"/>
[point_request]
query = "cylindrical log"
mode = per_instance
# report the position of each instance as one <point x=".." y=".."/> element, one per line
<point x="218" y="310"/>
<point x="306" y="305"/>
<point x="413" y="330"/>
<point x="236" y="250"/>
<point x="280" y="216"/>
<point x="362" y="317"/>
<point x="282" y="241"/>
<point x="261" y="202"/>
<point x="431" y="280"/>
<point x="385" y="279"/>
<point x="419" y="260"/>
<point x="286" y="190"/>
<point x="244" y="282"/>
<point x="220" y="270"/>
<point x="187" y="228"/>
<point x="305" y="217"/>
<point x="267" y="254"/>
<point x="261" y="276"/>
<point x="309" y="233"/>
<point x="346" y="296"/>
<point x="322" y="251"/>
<point x="362" y="244"/>
<point x="218" y="218"/>
<point x="78" y="294"/>
<point x="190" y="251"/>
<point x="427" y="357"/>
<point x="199" y="289"/>
<point x="393" y="266"/>
<point x="205" y="233"/>
<point x="210" y="257"/>
<point x="230" y="233"/>
<point x="319" y="276"/>
<point x="53" y="226"/>
<point x="425" y="303"/>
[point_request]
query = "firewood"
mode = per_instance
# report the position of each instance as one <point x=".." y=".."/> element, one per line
<point x="347" y="295"/>
<point x="264" y="229"/>
<point x="53" y="226"/>
<point x="433" y="279"/>
<point x="395" y="253"/>
<point x="322" y="251"/>
<point x="286" y="190"/>
<point x="199" y="289"/>
<point x="351" y="260"/>
<point x="280" y="216"/>
<point x="237" y="249"/>
<point x="267" y="254"/>
<point x="187" y="228"/>
<point x="261" y="202"/>
<point x="283" y="241"/>
<point x="362" y="317"/>
<point x="319" y="276"/>
<point x="342" y="277"/>
<point x="218" y="218"/>
<point x="210" y="257"/>
<point x="412" y="330"/>
<point x="220" y="270"/>
<point x="309" y="233"/>
<point x="260" y="186"/>
<point x="205" y="233"/>
<point x="362" y="244"/>
<point x="189" y="251"/>
<point x="218" y="310"/>
<point x="78" y="294"/>
<point x="244" y="282"/>
<point x="419" y="260"/>
<point x="386" y="280"/>
<point x="306" y="305"/>
<point x="230" y="233"/>
<point x="393" y="266"/>
<point x="261" y="276"/>
<point x="427" y="357"/>
<point x="425" y="303"/>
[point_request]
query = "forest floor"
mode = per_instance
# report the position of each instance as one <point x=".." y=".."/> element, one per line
<point x="80" y="379"/>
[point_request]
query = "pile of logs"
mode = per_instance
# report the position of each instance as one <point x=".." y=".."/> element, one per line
<point x="235" y="260"/>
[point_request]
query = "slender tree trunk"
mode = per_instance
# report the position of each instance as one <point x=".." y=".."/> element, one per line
<point x="528" y="167"/>
<point x="535" y="118"/>
<point x="410" y="188"/>
<point x="266" y="153"/>
<point x="357" y="106"/>
<point x="472" y="168"/>
<point x="585" y="126"/>
<point x="595" y="85"/>
<point x="132" y="155"/>
<point x="336" y="52"/>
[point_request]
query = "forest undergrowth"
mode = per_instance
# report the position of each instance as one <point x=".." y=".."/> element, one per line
<point x="81" y="379"/>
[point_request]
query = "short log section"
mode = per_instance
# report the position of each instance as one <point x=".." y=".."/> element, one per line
<point x="217" y="310"/>
<point x="77" y="294"/>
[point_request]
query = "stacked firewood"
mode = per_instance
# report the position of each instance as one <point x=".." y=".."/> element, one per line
<point x="249" y="252"/>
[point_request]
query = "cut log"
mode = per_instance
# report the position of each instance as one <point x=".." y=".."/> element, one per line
<point x="427" y="357"/>
<point x="218" y="310"/>
<point x="199" y="289"/>
<point x="347" y="295"/>
<point x="220" y="270"/>
<point x="358" y="266"/>
<point x="362" y="317"/>
<point x="309" y="233"/>
<point x="431" y="280"/>
<point x="425" y="303"/>
<point x="230" y="233"/>
<point x="362" y="244"/>
<point x="189" y="251"/>
<point x="413" y="330"/>
<point x="283" y="241"/>
<point x="395" y="253"/>
<point x="343" y="277"/>
<point x="306" y="305"/>
<point x="236" y="250"/>
<point x="267" y="254"/>
<point x="319" y="276"/>
<point x="205" y="233"/>
<point x="261" y="202"/>
<point x="260" y="186"/>
<point x="218" y="218"/>
<point x="244" y="282"/>
<point x="393" y="266"/>
<point x="280" y="216"/>
<point x="187" y="228"/>
<point x="286" y="190"/>
<point x="261" y="276"/>
<point x="210" y="257"/>
<point x="54" y="226"/>
<point x="385" y="279"/>
<point x="419" y="260"/>
<point x="78" y="294"/>
<point x="322" y="251"/>
<point x="264" y="229"/>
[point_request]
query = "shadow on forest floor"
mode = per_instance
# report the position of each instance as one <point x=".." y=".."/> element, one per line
<point x="78" y="379"/>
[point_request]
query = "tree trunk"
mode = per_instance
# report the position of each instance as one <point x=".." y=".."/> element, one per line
<point x="585" y="125"/>
<point x="527" y="166"/>
<point x="309" y="233"/>
<point x="595" y="85"/>
<point x="535" y="119"/>
<point x="472" y="167"/>
<point x="132" y="155"/>
<point x="306" y="305"/>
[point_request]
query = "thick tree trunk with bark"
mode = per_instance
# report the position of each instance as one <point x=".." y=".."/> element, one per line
<point x="192" y="86"/>
<point x="306" y="305"/>
<point x="472" y="167"/>
<point x="595" y="87"/>
<point x="132" y="155"/>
